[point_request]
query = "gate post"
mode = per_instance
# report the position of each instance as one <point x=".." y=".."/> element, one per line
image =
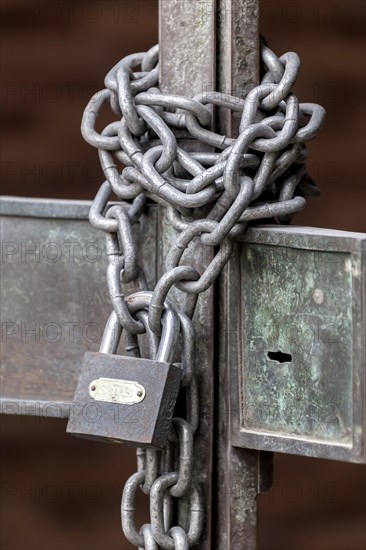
<point x="187" y="37"/>
<point x="209" y="45"/>
<point x="237" y="470"/>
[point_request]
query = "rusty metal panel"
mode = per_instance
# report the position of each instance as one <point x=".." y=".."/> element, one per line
<point x="300" y="387"/>
<point x="54" y="299"/>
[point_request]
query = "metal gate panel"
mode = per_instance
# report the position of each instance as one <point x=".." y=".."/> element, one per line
<point x="54" y="299"/>
<point x="300" y="386"/>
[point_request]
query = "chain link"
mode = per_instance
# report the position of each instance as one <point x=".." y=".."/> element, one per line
<point x="210" y="196"/>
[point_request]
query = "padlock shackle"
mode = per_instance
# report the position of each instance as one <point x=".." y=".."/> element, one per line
<point x="136" y="302"/>
<point x="169" y="336"/>
<point x="152" y="339"/>
<point x="170" y="321"/>
<point x="161" y="349"/>
<point x="111" y="335"/>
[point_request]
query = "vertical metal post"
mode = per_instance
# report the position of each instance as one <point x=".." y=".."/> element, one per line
<point x="237" y="477"/>
<point x="188" y="66"/>
<point x="213" y="45"/>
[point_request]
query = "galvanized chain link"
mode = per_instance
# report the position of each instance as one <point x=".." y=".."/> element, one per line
<point x="210" y="195"/>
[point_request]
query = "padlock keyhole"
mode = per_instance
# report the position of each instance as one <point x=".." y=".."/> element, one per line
<point x="279" y="356"/>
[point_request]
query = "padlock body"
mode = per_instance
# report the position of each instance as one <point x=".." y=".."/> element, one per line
<point x="102" y="414"/>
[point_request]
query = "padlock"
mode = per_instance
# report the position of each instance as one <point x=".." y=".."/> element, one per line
<point x="127" y="399"/>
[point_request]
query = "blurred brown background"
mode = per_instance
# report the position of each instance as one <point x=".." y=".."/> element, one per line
<point x="62" y="493"/>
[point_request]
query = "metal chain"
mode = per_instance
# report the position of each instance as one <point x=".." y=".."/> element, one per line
<point x="210" y="195"/>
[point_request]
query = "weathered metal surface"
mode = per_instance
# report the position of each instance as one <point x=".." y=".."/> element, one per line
<point x="300" y="387"/>
<point x="237" y="470"/>
<point x="187" y="38"/>
<point x="188" y="66"/>
<point x="27" y="207"/>
<point x="31" y="326"/>
<point x="54" y="300"/>
<point x="238" y="48"/>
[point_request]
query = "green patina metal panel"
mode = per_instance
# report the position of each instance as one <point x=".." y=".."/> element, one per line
<point x="298" y="313"/>
<point x="300" y="385"/>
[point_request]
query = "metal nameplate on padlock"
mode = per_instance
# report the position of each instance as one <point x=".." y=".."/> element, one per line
<point x="112" y="390"/>
<point x="299" y="385"/>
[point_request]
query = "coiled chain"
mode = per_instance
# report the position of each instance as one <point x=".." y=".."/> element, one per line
<point x="210" y="193"/>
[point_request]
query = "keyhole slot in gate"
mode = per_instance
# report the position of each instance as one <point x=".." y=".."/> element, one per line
<point x="279" y="356"/>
